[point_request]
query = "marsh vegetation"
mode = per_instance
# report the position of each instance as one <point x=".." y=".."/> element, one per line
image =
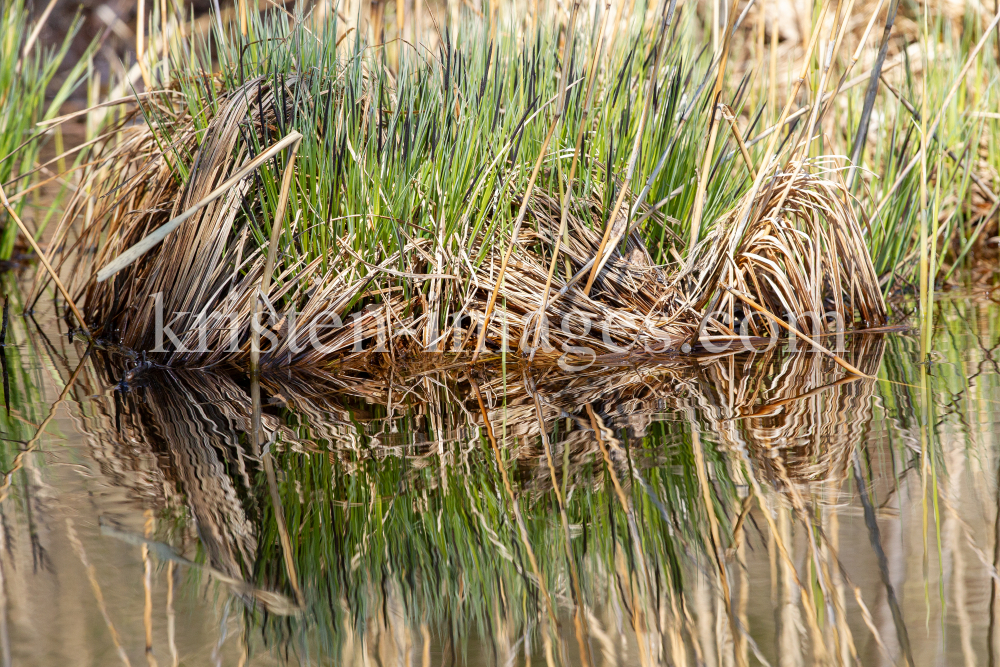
<point x="498" y="333"/>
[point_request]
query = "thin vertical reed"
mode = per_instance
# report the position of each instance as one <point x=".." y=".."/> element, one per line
<point x="277" y="226"/>
<point x="267" y="461"/>
<point x="140" y="43"/>
<point x="147" y="588"/>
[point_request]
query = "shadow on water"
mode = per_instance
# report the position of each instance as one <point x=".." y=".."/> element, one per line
<point x="744" y="509"/>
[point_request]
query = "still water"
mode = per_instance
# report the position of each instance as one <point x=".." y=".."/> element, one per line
<point x="739" y="510"/>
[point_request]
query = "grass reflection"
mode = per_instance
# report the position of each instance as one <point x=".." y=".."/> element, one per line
<point x="738" y="510"/>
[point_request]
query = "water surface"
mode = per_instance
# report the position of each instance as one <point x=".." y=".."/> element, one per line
<point x="740" y="510"/>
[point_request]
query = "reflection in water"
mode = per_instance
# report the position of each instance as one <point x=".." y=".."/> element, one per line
<point x="738" y="510"/>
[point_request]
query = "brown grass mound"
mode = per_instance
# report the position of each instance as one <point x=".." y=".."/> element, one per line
<point x="808" y="256"/>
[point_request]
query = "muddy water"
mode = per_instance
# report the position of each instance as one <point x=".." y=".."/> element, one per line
<point x="746" y="509"/>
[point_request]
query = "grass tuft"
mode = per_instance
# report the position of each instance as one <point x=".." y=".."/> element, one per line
<point x="415" y="172"/>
